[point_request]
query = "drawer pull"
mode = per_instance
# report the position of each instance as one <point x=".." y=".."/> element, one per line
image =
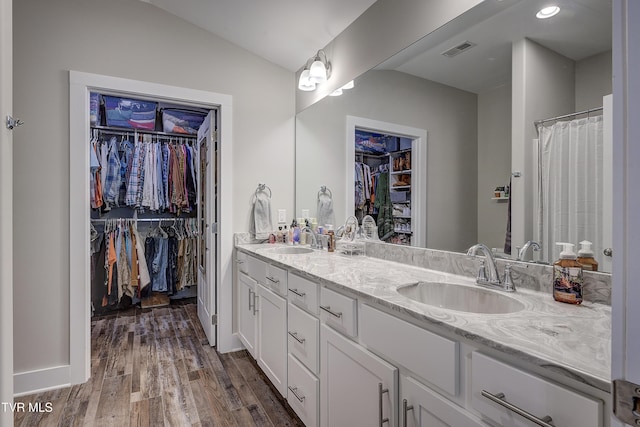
<point x="297" y="292"/>
<point x="295" y="337"/>
<point x="381" y="391"/>
<point x="405" y="410"/>
<point x="272" y="280"/>
<point x="333" y="313"/>
<point x="294" y="390"/>
<point x="252" y="307"/>
<point x="500" y="400"/>
<point x="239" y="261"/>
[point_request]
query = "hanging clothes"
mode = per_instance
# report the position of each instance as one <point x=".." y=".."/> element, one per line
<point x="385" y="207"/>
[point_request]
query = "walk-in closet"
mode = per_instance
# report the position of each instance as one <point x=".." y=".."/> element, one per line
<point x="382" y="174"/>
<point x="149" y="175"/>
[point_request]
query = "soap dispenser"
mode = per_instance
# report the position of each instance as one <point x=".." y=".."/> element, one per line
<point x="585" y="257"/>
<point x="567" y="276"/>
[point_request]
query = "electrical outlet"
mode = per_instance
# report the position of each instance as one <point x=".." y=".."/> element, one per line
<point x="282" y="215"/>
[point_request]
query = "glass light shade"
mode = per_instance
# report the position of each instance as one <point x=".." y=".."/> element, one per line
<point x="547" y="12"/>
<point x="318" y="72"/>
<point x="336" y="92"/>
<point x="348" y="85"/>
<point x="304" y="83"/>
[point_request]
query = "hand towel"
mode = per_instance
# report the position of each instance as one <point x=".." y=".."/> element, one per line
<point x="261" y="225"/>
<point x="325" y="209"/>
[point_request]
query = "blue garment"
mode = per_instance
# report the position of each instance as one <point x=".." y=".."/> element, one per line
<point x="159" y="264"/>
<point x="113" y="180"/>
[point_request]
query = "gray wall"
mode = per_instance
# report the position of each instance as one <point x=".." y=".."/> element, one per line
<point x="383" y="30"/>
<point x="593" y="80"/>
<point x="131" y="39"/>
<point x="494" y="163"/>
<point x="450" y="117"/>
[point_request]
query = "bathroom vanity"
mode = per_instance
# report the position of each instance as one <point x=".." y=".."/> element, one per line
<point x="347" y="342"/>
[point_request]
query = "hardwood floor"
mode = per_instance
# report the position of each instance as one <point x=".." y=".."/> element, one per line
<point x="154" y="367"/>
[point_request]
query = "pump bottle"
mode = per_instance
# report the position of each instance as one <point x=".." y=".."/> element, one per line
<point x="585" y="257"/>
<point x="567" y="276"/>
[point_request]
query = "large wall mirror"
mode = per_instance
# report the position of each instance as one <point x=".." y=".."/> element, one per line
<point x="477" y="86"/>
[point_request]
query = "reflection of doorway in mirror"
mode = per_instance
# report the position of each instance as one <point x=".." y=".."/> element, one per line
<point x="388" y="166"/>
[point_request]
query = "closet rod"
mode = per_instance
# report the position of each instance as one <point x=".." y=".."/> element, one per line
<point x="142" y="131"/>
<point x="579" y="113"/>
<point x="139" y="219"/>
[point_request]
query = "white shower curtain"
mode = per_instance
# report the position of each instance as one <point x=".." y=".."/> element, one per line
<point x="571" y="185"/>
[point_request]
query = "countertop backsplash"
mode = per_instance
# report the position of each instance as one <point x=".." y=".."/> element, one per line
<point x="537" y="277"/>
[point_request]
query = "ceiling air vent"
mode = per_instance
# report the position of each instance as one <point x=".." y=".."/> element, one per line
<point x="465" y="45"/>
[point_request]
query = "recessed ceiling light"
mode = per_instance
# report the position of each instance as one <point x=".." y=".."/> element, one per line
<point x="547" y="12"/>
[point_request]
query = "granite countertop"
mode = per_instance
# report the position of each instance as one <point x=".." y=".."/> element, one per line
<point x="564" y="339"/>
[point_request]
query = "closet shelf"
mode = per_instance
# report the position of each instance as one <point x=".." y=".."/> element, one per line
<point x="402" y="216"/>
<point x="500" y="199"/>
<point x="401" y="172"/>
<point x="402" y="231"/>
<point x="401" y="188"/>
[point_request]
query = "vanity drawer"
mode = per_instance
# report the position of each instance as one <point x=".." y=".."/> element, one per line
<point x="276" y="279"/>
<point x="303" y="392"/>
<point x="257" y="269"/>
<point x="304" y="336"/>
<point x="241" y="262"/>
<point x="428" y="355"/>
<point x="339" y="311"/>
<point x="535" y="395"/>
<point x="303" y="293"/>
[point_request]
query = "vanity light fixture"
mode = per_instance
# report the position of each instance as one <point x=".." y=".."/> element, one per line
<point x="547" y="12"/>
<point x="336" y="92"/>
<point x="305" y="83"/>
<point x="349" y="85"/>
<point x="320" y="69"/>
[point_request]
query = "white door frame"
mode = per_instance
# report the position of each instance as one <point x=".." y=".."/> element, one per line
<point x="418" y="173"/>
<point x="625" y="339"/>
<point x="80" y="84"/>
<point x="6" y="213"/>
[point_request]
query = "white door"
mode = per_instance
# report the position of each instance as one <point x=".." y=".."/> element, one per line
<point x="423" y="407"/>
<point x="272" y="337"/>
<point x="357" y="388"/>
<point x="625" y="357"/>
<point x="207" y="227"/>
<point x="6" y="224"/>
<point x="246" y="308"/>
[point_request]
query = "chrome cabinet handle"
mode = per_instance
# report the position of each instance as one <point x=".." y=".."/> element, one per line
<point x="381" y="391"/>
<point x="252" y="299"/>
<point x="333" y="313"/>
<point x="297" y="292"/>
<point x="294" y="390"/>
<point x="272" y="280"/>
<point x="405" y="410"/>
<point x="608" y="252"/>
<point x="295" y="337"/>
<point x="239" y="261"/>
<point x="255" y="297"/>
<point x="500" y="400"/>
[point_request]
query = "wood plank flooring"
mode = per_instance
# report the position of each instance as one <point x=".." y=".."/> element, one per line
<point x="154" y="367"/>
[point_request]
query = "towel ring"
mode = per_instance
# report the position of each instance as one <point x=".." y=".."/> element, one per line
<point x="324" y="189"/>
<point x="263" y="187"/>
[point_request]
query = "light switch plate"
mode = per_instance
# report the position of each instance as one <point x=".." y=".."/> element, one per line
<point x="282" y="215"/>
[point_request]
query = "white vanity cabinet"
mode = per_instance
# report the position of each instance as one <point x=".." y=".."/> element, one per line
<point x="499" y="389"/>
<point x="272" y="337"/>
<point x="357" y="388"/>
<point x="246" y="312"/>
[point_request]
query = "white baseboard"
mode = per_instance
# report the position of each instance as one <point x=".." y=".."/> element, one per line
<point x="41" y="380"/>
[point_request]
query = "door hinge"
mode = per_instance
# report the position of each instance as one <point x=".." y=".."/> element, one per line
<point x="214" y="319"/>
<point x="626" y="402"/>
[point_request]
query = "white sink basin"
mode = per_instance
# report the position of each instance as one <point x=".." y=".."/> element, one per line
<point x="461" y="298"/>
<point x="292" y="250"/>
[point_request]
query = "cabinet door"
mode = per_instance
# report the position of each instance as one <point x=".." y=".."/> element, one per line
<point x="246" y="312"/>
<point x="425" y="408"/>
<point x="272" y="337"/>
<point x="357" y="388"/>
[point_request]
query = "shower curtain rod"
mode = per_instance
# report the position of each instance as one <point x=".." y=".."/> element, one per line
<point x="591" y="110"/>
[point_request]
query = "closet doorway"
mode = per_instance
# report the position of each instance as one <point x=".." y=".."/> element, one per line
<point x="214" y="273"/>
<point x="402" y="140"/>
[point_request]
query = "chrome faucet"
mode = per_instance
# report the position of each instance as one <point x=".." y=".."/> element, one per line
<point x="494" y="278"/>
<point x="523" y="252"/>
<point x="315" y="241"/>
